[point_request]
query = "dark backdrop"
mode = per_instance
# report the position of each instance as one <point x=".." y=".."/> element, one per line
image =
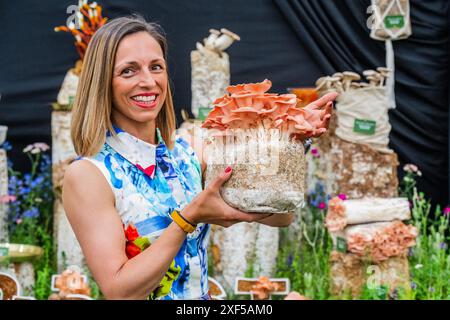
<point x="291" y="42"/>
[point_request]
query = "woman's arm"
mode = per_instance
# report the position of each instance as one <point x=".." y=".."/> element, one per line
<point x="278" y="220"/>
<point x="89" y="205"/>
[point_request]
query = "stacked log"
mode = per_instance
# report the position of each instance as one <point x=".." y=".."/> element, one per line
<point x="370" y="244"/>
<point x="370" y="239"/>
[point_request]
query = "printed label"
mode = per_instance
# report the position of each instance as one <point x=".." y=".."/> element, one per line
<point x="203" y="113"/>
<point x="394" y="22"/>
<point x="364" y="126"/>
<point x="341" y="244"/>
<point x="4" y="252"/>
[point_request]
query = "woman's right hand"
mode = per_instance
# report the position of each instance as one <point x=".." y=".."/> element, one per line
<point x="209" y="207"/>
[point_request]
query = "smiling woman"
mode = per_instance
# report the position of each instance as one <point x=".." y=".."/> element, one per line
<point x="134" y="198"/>
<point x="138" y="62"/>
<point x="140" y="84"/>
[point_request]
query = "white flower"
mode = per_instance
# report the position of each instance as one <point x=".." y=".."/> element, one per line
<point x="418" y="266"/>
<point x="410" y="168"/>
<point x="28" y="148"/>
<point x="42" y="146"/>
<point x="37" y="147"/>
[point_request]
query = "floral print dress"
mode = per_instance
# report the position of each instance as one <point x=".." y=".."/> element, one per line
<point x="149" y="182"/>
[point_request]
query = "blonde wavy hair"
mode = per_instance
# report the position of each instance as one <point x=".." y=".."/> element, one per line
<point x="91" y="113"/>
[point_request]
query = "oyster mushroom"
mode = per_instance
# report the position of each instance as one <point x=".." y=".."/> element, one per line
<point x="213" y="35"/>
<point x="363" y="85"/>
<point x="373" y="80"/>
<point x="185" y="115"/>
<point x="348" y="78"/>
<point x="355" y="85"/>
<point x="338" y="84"/>
<point x="200" y="47"/>
<point x="371" y="76"/>
<point x="225" y="40"/>
<point x="385" y="73"/>
<point x="335" y="83"/>
<point x="368" y="73"/>
<point x="338" y="75"/>
<point x="320" y="83"/>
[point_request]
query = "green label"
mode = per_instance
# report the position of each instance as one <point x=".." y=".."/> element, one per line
<point x="341" y="244"/>
<point x="364" y="126"/>
<point x="394" y="22"/>
<point x="4" y="252"/>
<point x="203" y="113"/>
<point x="71" y="99"/>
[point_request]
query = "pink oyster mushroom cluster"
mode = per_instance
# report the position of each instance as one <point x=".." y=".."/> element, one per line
<point x="248" y="106"/>
<point x="336" y="218"/>
<point x="392" y="241"/>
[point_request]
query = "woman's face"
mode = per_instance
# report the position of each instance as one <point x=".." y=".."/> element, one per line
<point x="139" y="84"/>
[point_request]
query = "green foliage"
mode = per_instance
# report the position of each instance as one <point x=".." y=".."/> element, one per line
<point x="30" y="216"/>
<point x="306" y="262"/>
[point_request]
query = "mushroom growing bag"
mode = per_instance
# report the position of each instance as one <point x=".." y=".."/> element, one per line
<point x="391" y="20"/>
<point x="362" y="117"/>
<point x="260" y="135"/>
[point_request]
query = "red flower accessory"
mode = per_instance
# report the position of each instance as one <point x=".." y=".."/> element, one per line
<point x="131" y="234"/>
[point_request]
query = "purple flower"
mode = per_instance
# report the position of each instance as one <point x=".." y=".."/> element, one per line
<point x="290" y="258"/>
<point x="322" y="205"/>
<point x="413" y="285"/>
<point x="443" y="245"/>
<point x="447" y="211"/>
<point x="431" y="289"/>
<point x="342" y="196"/>
<point x="315" y="153"/>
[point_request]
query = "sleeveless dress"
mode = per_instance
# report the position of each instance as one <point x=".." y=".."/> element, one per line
<point x="148" y="183"/>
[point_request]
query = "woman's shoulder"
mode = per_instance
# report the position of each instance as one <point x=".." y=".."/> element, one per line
<point x="80" y="171"/>
<point x="83" y="179"/>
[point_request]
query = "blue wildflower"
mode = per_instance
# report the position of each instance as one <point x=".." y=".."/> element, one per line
<point x="34" y="183"/>
<point x="24" y="190"/>
<point x="31" y="213"/>
<point x="6" y="145"/>
<point x="290" y="258"/>
<point x="413" y="285"/>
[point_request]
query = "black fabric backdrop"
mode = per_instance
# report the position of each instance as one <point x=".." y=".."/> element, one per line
<point x="291" y="42"/>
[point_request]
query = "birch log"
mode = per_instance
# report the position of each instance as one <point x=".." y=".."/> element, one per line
<point x="243" y="248"/>
<point x="68" y="248"/>
<point x="210" y="78"/>
<point x="361" y="211"/>
<point x="349" y="273"/>
<point x="3" y="192"/>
